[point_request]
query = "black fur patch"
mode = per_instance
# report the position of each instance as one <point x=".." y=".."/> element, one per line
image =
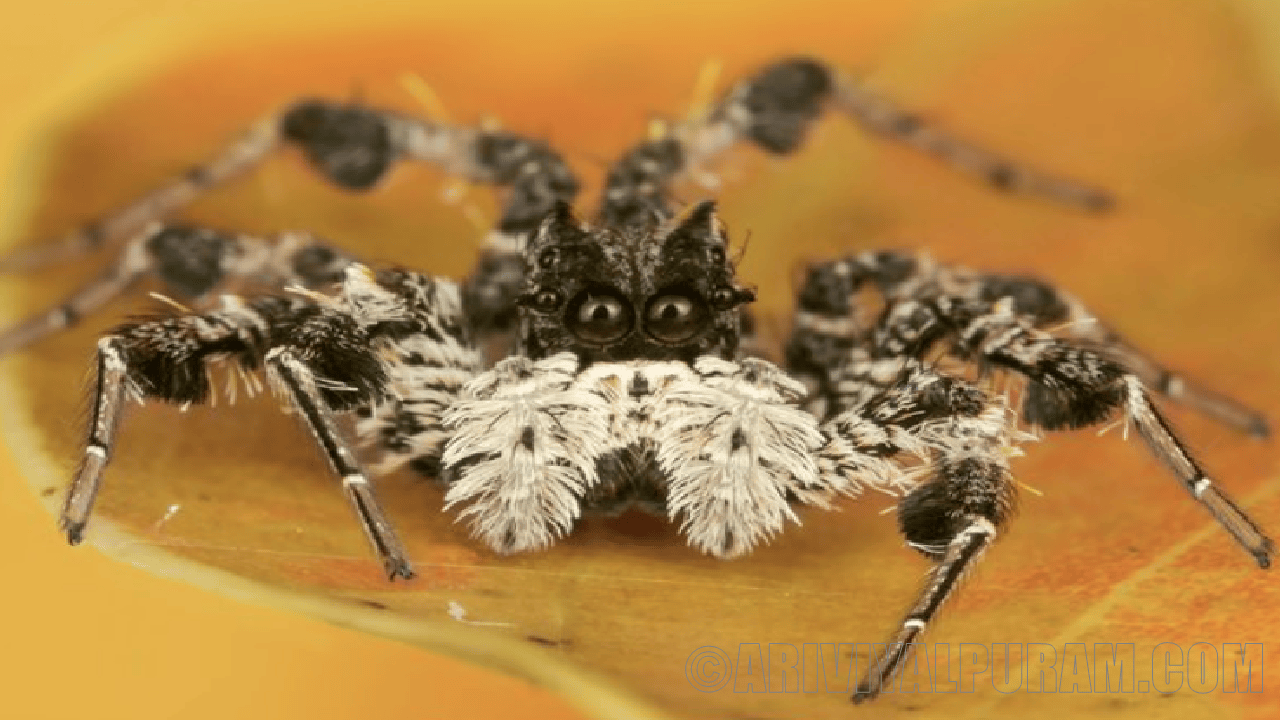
<point x="350" y="145"/>
<point x="189" y="260"/>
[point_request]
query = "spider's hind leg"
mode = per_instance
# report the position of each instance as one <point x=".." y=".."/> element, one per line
<point x="354" y="147"/>
<point x="774" y="109"/>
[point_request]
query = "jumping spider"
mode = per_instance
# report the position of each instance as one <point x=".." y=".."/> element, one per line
<point x="628" y="382"/>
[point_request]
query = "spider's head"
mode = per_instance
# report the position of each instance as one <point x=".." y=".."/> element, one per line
<point x="661" y="293"/>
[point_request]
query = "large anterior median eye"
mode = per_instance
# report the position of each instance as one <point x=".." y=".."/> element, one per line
<point x="600" y="316"/>
<point x="676" y="316"/>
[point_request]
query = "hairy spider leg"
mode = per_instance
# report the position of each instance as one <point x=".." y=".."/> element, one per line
<point x="323" y="354"/>
<point x="169" y="358"/>
<point x="355" y="147"/>
<point x="191" y="263"/>
<point x="288" y="372"/>
<point x="240" y="156"/>
<point x="1069" y="387"/>
<point x="774" y="109"/>
<point x="900" y="276"/>
<point x="848" y="363"/>
<point x="965" y="499"/>
<point x="429" y="364"/>
<point x="993" y="319"/>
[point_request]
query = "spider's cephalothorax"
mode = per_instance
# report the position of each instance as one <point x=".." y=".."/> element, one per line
<point x="632" y="382"/>
<point x="657" y="292"/>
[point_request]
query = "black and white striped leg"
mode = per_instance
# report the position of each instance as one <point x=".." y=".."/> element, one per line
<point x="903" y="277"/>
<point x="953" y="516"/>
<point x="168" y="359"/>
<point x="961" y="555"/>
<point x="190" y="263"/>
<point x="1165" y="445"/>
<point x="774" y="109"/>
<point x="1071" y="387"/>
<point x="827" y="323"/>
<point x="298" y="384"/>
<point x="237" y="158"/>
<point x="427" y="372"/>
<point x="110" y="395"/>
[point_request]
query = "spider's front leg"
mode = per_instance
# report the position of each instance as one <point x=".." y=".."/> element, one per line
<point x="965" y="438"/>
<point x="323" y="354"/>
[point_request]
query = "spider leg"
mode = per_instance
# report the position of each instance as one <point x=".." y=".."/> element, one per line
<point x="1059" y="313"/>
<point x="289" y="373"/>
<point x="428" y="370"/>
<point x="854" y="369"/>
<point x="827" y="325"/>
<point x="240" y="156"/>
<point x="1072" y="386"/>
<point x="355" y="147"/>
<point x="881" y="116"/>
<point x="962" y="553"/>
<point x="190" y="263"/>
<point x="166" y="358"/>
<point x="774" y="110"/>
<point x="127" y="270"/>
<point x="966" y="438"/>
<point x="323" y="354"/>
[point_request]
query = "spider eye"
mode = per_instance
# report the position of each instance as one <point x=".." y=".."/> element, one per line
<point x="676" y="316"/>
<point x="546" y="300"/>
<point x="548" y="258"/>
<point x="543" y="301"/>
<point x="600" y="316"/>
<point x="724" y="298"/>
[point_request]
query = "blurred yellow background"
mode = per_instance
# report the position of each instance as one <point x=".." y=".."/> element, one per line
<point x="86" y="637"/>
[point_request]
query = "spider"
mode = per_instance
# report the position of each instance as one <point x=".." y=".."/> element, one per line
<point x="630" y="377"/>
